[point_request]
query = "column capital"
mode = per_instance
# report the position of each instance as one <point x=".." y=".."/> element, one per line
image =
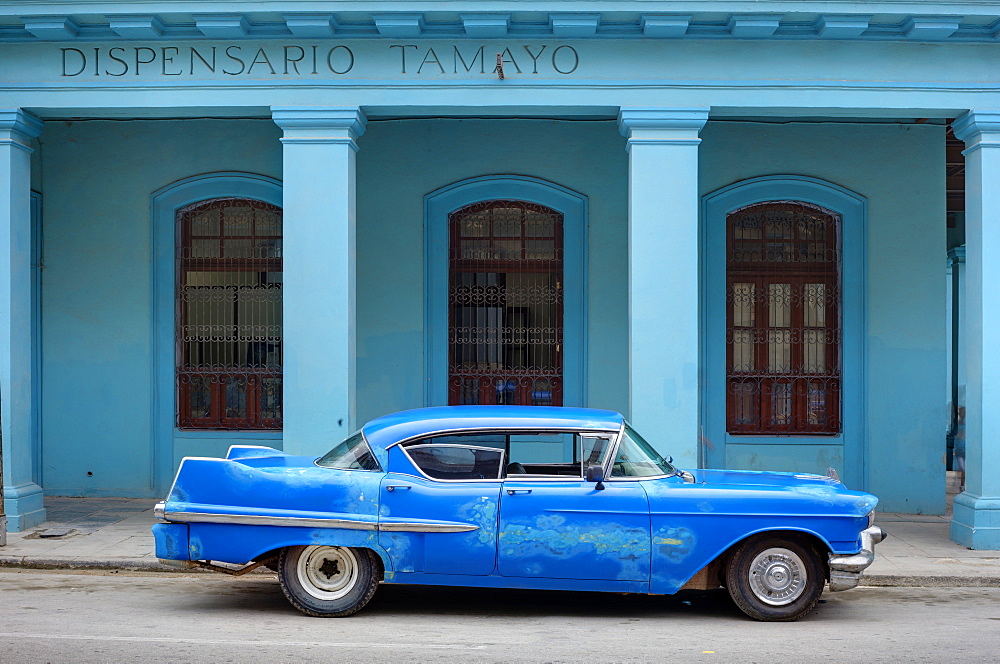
<point x="661" y="126"/>
<point x="630" y="118"/>
<point x="956" y="255"/>
<point x="978" y="129"/>
<point x="319" y="124"/>
<point x="18" y="127"/>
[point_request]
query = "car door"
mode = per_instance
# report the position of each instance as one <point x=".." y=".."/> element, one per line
<point x="555" y="524"/>
<point x="438" y="506"/>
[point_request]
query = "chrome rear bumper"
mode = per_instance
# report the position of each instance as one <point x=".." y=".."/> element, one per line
<point x="845" y="571"/>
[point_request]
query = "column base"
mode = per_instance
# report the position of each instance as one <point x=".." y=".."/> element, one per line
<point x="24" y="506"/>
<point x="976" y="522"/>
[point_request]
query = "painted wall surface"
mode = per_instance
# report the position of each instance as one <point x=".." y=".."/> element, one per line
<point x="97" y="292"/>
<point x="899" y="169"/>
<point x="401" y="161"/>
<point x="96" y="179"/>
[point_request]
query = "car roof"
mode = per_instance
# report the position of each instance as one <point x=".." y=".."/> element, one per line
<point x="384" y="431"/>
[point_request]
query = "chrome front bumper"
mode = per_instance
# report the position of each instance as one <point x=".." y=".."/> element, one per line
<point x="845" y="571"/>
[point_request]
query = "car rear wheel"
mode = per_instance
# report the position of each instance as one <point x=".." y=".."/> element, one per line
<point x="775" y="578"/>
<point x="328" y="581"/>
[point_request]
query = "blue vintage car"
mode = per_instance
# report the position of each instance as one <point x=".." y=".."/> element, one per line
<point x="514" y="497"/>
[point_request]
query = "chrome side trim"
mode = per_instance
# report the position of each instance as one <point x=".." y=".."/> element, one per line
<point x="519" y="430"/>
<point x="158" y="511"/>
<point x="845" y="570"/>
<point x="291" y="521"/>
<point x="426" y="527"/>
<point x="259" y="520"/>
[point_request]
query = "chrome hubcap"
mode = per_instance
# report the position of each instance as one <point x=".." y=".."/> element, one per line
<point x="777" y="576"/>
<point x="327" y="572"/>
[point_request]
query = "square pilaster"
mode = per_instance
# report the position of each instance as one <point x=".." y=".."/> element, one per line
<point x="976" y="521"/>
<point x="319" y="147"/>
<point x="22" y="497"/>
<point x="663" y="275"/>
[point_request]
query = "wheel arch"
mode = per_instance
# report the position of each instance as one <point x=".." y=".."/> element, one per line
<point x="380" y="554"/>
<point x="813" y="539"/>
<point x="238" y="544"/>
<point x="713" y="573"/>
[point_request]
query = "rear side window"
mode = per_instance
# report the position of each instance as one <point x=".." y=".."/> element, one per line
<point x="352" y="454"/>
<point x="457" y="462"/>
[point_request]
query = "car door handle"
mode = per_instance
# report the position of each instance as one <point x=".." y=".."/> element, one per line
<point x="401" y="487"/>
<point x="514" y="492"/>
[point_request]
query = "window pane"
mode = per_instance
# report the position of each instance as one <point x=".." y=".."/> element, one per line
<point x="781" y="404"/>
<point x="352" y="454"/>
<point x="553" y="448"/>
<point x="743" y="304"/>
<point x="815" y="305"/>
<point x="743" y="349"/>
<point x="456" y="462"/>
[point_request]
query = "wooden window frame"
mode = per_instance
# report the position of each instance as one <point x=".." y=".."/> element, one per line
<point x="219" y="377"/>
<point x="797" y="274"/>
<point x="524" y="391"/>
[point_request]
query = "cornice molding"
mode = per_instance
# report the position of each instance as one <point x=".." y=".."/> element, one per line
<point x="661" y="127"/>
<point x="316" y="124"/>
<point x="631" y="119"/>
<point x="978" y="129"/>
<point x="18" y="127"/>
<point x="468" y="20"/>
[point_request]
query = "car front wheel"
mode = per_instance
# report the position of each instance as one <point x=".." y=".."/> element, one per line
<point x="328" y="581"/>
<point x="775" y="578"/>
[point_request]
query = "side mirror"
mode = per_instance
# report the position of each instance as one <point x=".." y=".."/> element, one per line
<point x="595" y="473"/>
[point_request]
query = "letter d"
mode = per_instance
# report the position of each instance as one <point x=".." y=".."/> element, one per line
<point x="65" y="61"/>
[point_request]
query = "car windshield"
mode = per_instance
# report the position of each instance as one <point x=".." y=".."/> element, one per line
<point x="637" y="458"/>
<point x="352" y="454"/>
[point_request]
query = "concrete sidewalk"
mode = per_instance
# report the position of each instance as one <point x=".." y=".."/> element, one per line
<point x="114" y="533"/>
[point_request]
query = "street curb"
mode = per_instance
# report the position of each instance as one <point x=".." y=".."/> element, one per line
<point x="56" y="563"/>
<point x="929" y="581"/>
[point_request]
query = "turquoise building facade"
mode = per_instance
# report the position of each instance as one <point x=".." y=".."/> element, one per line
<point x="371" y="128"/>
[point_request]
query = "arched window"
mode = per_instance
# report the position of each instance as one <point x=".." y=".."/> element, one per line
<point x="783" y="319"/>
<point x="228" y="314"/>
<point x="505" y="301"/>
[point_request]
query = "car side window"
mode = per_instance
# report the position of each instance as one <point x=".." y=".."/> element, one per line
<point x="352" y="454"/>
<point x="554" y="454"/>
<point x="458" y="457"/>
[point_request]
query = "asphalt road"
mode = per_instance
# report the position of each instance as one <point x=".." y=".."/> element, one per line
<point x="82" y="618"/>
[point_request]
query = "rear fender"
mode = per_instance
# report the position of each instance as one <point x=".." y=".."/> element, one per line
<point x="239" y="544"/>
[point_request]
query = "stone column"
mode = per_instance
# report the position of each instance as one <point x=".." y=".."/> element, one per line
<point x="319" y="274"/>
<point x="663" y="276"/>
<point x="22" y="497"/>
<point x="976" y="521"/>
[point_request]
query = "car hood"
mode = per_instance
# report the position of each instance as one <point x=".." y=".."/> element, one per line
<point x="761" y="478"/>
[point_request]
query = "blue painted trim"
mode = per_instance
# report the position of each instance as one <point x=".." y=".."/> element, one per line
<point x="36" y="338"/>
<point x="437" y="206"/>
<point x="853" y="210"/>
<point x="163" y="231"/>
<point x="536" y="21"/>
<point x="520" y="82"/>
